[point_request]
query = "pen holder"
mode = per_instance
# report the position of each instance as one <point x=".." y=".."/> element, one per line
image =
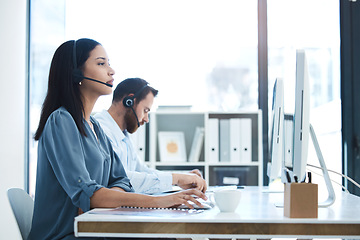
<point x="301" y="200"/>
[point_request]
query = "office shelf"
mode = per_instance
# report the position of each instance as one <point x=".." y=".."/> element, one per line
<point x="245" y="163"/>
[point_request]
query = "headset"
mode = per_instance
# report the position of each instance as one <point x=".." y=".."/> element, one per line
<point x="129" y="101"/>
<point x="78" y="76"/>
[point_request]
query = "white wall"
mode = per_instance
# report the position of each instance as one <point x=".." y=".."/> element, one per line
<point x="13" y="17"/>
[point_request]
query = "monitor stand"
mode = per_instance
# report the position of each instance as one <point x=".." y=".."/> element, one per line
<point x="331" y="197"/>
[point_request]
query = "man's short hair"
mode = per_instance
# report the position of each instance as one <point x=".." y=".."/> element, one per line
<point x="132" y="86"/>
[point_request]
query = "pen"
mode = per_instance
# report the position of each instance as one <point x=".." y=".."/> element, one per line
<point x="304" y="179"/>
<point x="288" y="178"/>
<point x="309" y="177"/>
<point x="296" y="178"/>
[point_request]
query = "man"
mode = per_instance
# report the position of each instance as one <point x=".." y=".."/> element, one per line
<point x="132" y="100"/>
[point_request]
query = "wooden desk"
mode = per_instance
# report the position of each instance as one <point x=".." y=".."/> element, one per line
<point x="256" y="217"/>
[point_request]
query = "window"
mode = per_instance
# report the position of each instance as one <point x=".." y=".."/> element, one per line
<point x="350" y="73"/>
<point x="306" y="24"/>
<point x="46" y="33"/>
<point x="201" y="53"/>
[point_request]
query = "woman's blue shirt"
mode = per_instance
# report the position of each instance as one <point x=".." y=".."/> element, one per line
<point x="70" y="168"/>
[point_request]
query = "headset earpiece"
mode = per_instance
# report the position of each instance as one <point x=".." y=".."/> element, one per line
<point x="128" y="101"/>
<point x="77" y="75"/>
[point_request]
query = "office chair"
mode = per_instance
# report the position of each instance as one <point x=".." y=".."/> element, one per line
<point x="23" y="207"/>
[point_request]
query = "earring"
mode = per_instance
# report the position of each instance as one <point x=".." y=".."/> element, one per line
<point x="80" y="83"/>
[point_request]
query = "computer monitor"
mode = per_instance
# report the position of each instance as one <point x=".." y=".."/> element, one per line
<point x="302" y="129"/>
<point x="276" y="131"/>
<point x="301" y="116"/>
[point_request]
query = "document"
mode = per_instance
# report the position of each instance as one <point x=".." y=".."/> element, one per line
<point x="197" y="144"/>
<point x="150" y="212"/>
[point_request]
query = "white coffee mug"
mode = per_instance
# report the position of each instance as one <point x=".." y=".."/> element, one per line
<point x="227" y="200"/>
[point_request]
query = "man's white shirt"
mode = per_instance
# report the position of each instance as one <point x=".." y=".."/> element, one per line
<point x="142" y="178"/>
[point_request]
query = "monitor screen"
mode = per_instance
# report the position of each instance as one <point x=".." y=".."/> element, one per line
<point x="301" y="116"/>
<point x="276" y="131"/>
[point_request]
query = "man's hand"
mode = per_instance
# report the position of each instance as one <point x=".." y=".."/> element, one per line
<point x="192" y="179"/>
<point x="197" y="172"/>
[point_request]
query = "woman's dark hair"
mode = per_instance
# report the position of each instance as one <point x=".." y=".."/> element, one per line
<point x="133" y="85"/>
<point x="63" y="90"/>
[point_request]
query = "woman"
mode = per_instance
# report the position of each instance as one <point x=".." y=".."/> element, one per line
<point x="77" y="169"/>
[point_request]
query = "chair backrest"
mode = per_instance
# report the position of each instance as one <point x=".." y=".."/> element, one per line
<point x="23" y="207"/>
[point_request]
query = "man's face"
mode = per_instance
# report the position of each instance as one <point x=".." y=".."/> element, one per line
<point x="142" y="110"/>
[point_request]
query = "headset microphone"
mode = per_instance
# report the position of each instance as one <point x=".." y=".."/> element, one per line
<point x="94" y="80"/>
<point x="78" y="76"/>
<point x="137" y="120"/>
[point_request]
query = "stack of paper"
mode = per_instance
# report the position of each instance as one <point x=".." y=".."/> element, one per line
<point x="197" y="144"/>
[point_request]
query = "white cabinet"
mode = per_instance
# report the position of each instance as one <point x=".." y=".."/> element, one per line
<point x="231" y="151"/>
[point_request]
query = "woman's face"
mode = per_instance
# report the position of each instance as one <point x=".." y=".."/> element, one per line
<point x="97" y="67"/>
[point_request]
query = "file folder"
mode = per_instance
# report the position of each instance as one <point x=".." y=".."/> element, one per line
<point x="224" y="140"/>
<point x="213" y="146"/>
<point x="235" y="140"/>
<point x="246" y="140"/>
<point x="288" y="140"/>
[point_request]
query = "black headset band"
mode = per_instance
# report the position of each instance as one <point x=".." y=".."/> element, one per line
<point x="74" y="55"/>
<point x="140" y="91"/>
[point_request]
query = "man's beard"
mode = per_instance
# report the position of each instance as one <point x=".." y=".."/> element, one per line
<point x="130" y="121"/>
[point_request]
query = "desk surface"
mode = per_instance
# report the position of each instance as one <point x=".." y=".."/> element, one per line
<point x="256" y="216"/>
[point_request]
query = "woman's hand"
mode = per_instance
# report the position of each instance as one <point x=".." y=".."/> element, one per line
<point x="179" y="198"/>
<point x="111" y="198"/>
